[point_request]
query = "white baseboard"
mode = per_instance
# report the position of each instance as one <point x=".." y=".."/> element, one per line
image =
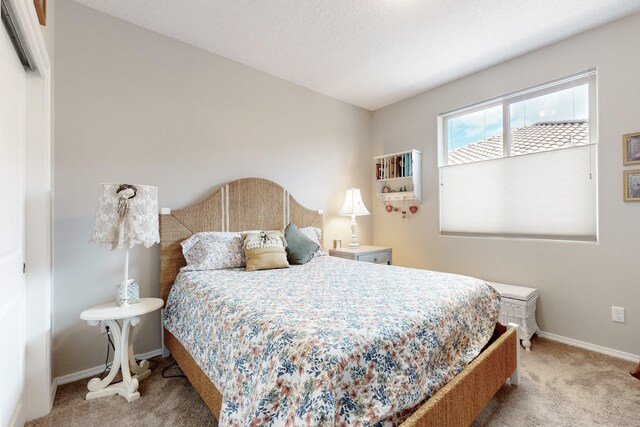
<point x="96" y="371"/>
<point x="54" y="390"/>
<point x="588" y="346"/>
<point x="17" y="419"/>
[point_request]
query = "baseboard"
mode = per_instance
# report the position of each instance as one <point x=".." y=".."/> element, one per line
<point x="588" y="346"/>
<point x="98" y="369"/>
<point x="17" y="419"/>
<point x="54" y="390"/>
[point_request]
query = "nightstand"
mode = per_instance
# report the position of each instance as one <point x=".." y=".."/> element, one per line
<point x="518" y="305"/>
<point x="377" y="254"/>
<point x="123" y="358"/>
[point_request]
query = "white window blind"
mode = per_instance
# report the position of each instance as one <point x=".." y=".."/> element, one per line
<point x="550" y="194"/>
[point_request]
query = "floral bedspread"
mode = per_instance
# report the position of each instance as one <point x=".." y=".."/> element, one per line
<point x="331" y="342"/>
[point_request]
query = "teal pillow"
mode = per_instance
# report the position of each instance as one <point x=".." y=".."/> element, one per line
<point x="300" y="248"/>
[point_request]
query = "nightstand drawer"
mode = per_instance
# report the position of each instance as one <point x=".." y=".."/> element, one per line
<point x="378" y="258"/>
<point x="376" y="254"/>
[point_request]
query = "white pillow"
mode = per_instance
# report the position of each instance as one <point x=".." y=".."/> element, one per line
<point x="314" y="234"/>
<point x="213" y="250"/>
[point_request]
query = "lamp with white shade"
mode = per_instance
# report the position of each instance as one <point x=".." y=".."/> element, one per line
<point x="353" y="206"/>
<point x="126" y="215"/>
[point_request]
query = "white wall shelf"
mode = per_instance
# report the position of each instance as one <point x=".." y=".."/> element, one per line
<point x="401" y="174"/>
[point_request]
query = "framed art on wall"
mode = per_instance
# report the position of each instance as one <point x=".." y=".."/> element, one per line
<point x="631" y="148"/>
<point x="632" y="185"/>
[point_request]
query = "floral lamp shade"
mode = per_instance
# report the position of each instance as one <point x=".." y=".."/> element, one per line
<point x="126" y="215"/>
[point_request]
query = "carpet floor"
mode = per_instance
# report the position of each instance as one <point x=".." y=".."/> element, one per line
<point x="560" y="386"/>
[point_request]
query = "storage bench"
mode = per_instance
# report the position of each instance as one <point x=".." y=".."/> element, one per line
<point x="518" y="305"/>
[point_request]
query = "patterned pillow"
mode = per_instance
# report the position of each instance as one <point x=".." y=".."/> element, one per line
<point x="213" y="250"/>
<point x="264" y="250"/>
<point x="315" y="234"/>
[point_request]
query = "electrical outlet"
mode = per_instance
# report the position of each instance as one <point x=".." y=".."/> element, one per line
<point x="617" y="314"/>
<point x="103" y="328"/>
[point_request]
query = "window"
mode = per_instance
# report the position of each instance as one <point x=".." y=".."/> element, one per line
<point x="523" y="164"/>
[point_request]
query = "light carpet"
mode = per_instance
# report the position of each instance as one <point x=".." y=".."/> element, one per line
<point x="560" y="386"/>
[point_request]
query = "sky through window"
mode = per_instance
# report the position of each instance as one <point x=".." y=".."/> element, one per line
<point x="567" y="104"/>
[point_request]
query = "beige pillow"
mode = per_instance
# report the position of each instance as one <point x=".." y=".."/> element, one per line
<point x="264" y="250"/>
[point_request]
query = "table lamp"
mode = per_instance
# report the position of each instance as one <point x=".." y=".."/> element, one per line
<point x="126" y="215"/>
<point x="353" y="206"/>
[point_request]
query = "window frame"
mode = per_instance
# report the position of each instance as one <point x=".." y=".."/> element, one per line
<point x="589" y="77"/>
<point x="586" y="77"/>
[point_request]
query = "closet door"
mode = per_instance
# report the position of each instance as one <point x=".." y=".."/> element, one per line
<point x="12" y="234"/>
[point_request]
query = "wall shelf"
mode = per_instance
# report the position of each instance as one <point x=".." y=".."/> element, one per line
<point x="399" y="174"/>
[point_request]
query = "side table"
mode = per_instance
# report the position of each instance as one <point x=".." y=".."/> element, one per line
<point x="123" y="358"/>
<point x="518" y="305"/>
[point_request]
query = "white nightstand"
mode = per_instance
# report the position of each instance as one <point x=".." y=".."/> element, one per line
<point x="518" y="305"/>
<point x="377" y="254"/>
<point x="123" y="355"/>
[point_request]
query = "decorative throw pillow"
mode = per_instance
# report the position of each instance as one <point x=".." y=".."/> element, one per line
<point x="213" y="251"/>
<point x="300" y="249"/>
<point x="264" y="250"/>
<point x="315" y="234"/>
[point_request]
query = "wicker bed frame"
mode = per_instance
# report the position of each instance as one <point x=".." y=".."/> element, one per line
<point x="259" y="204"/>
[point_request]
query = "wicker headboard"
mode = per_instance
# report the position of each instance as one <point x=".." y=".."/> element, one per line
<point x="245" y="204"/>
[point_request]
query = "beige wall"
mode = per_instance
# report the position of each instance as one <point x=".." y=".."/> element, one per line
<point x="578" y="282"/>
<point x="134" y="106"/>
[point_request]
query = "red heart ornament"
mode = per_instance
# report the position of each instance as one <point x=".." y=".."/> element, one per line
<point x="389" y="208"/>
<point x="413" y="209"/>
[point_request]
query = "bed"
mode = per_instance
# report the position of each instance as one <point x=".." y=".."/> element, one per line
<point x="288" y="347"/>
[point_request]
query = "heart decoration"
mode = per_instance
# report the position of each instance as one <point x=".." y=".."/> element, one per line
<point x="389" y="208"/>
<point x="413" y="209"/>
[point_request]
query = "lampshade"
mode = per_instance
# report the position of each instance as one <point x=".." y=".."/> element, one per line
<point x="126" y="215"/>
<point x="353" y="204"/>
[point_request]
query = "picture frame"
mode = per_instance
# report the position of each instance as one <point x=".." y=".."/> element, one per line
<point x="632" y="185"/>
<point x="41" y="11"/>
<point x="631" y="148"/>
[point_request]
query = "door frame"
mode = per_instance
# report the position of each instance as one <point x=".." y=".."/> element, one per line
<point x="39" y="389"/>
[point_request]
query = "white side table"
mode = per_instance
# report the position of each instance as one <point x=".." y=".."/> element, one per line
<point x="518" y="305"/>
<point x="123" y="357"/>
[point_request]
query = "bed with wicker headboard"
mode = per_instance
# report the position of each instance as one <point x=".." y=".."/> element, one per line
<point x="259" y="204"/>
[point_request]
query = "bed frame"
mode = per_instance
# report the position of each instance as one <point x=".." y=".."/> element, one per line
<point x="259" y="204"/>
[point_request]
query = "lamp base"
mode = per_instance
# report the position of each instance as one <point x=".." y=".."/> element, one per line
<point x="128" y="293"/>
<point x="354" y="237"/>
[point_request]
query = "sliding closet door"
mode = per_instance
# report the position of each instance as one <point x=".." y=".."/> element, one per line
<point x="12" y="232"/>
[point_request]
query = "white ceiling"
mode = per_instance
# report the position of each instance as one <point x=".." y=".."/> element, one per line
<point x="369" y="53"/>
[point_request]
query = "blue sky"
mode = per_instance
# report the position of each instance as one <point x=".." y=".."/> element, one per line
<point x="568" y="104"/>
